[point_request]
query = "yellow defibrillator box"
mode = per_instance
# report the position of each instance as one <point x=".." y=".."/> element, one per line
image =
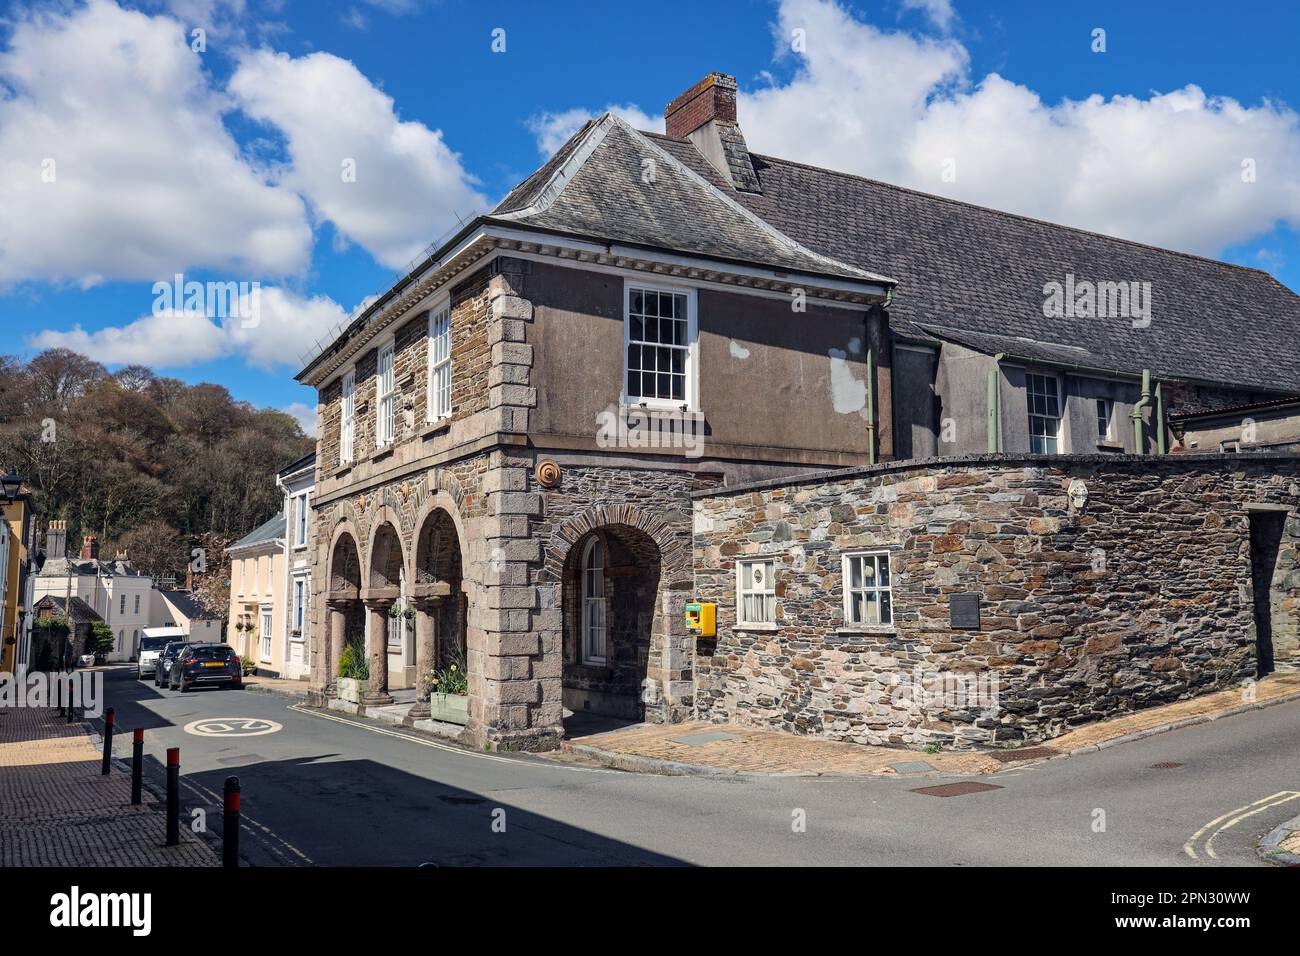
<point x="702" y="619"/>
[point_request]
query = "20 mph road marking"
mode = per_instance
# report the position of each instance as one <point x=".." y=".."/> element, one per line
<point x="1232" y="818"/>
<point x="232" y="727"/>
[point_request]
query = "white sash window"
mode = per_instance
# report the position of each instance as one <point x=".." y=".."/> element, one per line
<point x="593" y="602"/>
<point x="385" y="400"/>
<point x="349" y="418"/>
<point x="439" y="364"/>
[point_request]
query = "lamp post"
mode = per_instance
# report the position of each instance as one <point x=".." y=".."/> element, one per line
<point x="10" y="485"/>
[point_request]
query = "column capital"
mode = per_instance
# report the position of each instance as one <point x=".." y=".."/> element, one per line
<point x="380" y="597"/>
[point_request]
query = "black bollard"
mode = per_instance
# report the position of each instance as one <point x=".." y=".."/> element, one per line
<point x="137" y="764"/>
<point x="173" y="796"/>
<point x="230" y="824"/>
<point x="109" y="718"/>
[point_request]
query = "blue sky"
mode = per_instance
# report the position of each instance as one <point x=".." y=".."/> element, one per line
<point x="224" y="163"/>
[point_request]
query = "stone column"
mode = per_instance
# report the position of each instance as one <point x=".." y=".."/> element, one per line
<point x="426" y="651"/>
<point x="377" y="687"/>
<point x="336" y="625"/>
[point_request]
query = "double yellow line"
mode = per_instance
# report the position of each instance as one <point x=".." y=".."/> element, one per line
<point x="1231" y="819"/>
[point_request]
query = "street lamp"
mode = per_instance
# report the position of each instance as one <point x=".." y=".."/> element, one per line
<point x="10" y="484"/>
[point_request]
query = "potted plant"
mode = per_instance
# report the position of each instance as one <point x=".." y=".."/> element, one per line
<point x="449" y="697"/>
<point x="354" y="673"/>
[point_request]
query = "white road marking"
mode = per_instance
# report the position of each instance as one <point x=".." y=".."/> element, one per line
<point x="232" y="727"/>
<point x="1232" y="818"/>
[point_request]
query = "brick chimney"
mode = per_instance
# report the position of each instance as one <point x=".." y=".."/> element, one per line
<point x="706" y="116"/>
<point x="56" y="539"/>
<point x="90" y="547"/>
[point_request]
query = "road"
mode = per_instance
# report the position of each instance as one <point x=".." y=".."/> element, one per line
<point x="341" y="791"/>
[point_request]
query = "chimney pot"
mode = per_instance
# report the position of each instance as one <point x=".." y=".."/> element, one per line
<point x="90" y="547"/>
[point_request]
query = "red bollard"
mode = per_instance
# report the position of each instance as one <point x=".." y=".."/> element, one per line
<point x="230" y="824"/>
<point x="137" y="764"/>
<point x="173" y="796"/>
<point x="109" y="719"/>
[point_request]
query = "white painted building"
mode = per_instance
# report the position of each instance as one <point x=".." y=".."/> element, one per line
<point x="118" y="593"/>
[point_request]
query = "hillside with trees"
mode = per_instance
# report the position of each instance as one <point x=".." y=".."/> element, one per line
<point x="145" y="462"/>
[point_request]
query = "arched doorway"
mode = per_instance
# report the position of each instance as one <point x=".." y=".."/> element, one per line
<point x="441" y="613"/>
<point x="613" y="621"/>
<point x="345" y="616"/>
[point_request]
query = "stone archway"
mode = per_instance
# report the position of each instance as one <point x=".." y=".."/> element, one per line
<point x="441" y="612"/>
<point x="648" y="580"/>
<point x="345" y="620"/>
<point x="385" y="578"/>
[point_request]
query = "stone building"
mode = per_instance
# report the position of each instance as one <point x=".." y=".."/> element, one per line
<point x="516" y="441"/>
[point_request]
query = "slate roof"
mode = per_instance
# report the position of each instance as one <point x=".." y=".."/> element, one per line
<point x="965" y="272"/>
<point x="186" y="603"/>
<point x="595" y="187"/>
<point x="82" y="613"/>
<point x="264" y="533"/>
<point x="61" y="566"/>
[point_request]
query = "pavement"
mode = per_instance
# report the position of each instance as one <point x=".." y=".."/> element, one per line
<point x="328" y="789"/>
<point x="56" y="809"/>
<point x="708" y="748"/>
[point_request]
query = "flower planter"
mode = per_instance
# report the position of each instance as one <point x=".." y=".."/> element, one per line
<point x="449" y="708"/>
<point x="351" y="689"/>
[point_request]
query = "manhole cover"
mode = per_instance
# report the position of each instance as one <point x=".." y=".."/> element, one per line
<point x="1029" y="753"/>
<point x="956" y="789"/>
<point x="1166" y="765"/>
<point x="912" y="766"/>
<point x="694" y="740"/>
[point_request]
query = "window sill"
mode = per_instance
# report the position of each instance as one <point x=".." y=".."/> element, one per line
<point x="865" y="630"/>
<point x="1110" y="446"/>
<point x="434" y="427"/>
<point x="758" y="628"/>
<point x="383" y="452"/>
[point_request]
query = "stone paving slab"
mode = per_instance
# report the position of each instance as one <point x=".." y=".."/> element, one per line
<point x="697" y="747"/>
<point x="277" y="685"/>
<point x="56" y="809"/>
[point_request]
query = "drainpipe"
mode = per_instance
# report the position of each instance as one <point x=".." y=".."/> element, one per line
<point x="871" y="380"/>
<point x="871" y="405"/>
<point x="994" y="424"/>
<point x="1136" y="414"/>
<point x="1160" y="419"/>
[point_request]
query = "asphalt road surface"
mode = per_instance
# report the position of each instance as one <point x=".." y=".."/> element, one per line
<point x="335" y="790"/>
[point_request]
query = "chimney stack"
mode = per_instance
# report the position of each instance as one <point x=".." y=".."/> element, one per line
<point x="706" y="116"/>
<point x="90" y="547"/>
<point x="56" y="539"/>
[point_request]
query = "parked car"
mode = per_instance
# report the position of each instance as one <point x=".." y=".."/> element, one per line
<point x="206" y="664"/>
<point x="165" y="661"/>
<point x="151" y="649"/>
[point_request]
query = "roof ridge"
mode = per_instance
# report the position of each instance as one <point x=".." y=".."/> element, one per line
<point x="1010" y="215"/>
<point x="749" y="214"/>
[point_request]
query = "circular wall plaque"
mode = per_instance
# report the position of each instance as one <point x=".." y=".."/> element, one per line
<point x="548" y="473"/>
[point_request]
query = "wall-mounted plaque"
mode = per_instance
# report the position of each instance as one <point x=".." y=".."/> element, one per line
<point x="964" y="611"/>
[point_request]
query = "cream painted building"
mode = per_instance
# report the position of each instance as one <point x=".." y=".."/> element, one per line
<point x="256" y="624"/>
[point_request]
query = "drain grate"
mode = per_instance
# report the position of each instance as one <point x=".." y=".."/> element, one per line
<point x="1028" y="753"/>
<point x="461" y="801"/>
<point x="1165" y="765"/>
<point x="956" y="789"/>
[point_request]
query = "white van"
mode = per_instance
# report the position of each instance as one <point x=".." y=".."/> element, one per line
<point x="152" y="643"/>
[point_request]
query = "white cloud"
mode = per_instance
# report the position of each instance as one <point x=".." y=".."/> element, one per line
<point x="553" y="130"/>
<point x="146" y="179"/>
<point x="287" y="326"/>
<point x="938" y="12"/>
<point x="409" y="185"/>
<point x="1164" y="168"/>
<point x="306" y="415"/>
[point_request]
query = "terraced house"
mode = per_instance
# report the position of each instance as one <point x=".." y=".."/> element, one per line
<point x="882" y="431"/>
